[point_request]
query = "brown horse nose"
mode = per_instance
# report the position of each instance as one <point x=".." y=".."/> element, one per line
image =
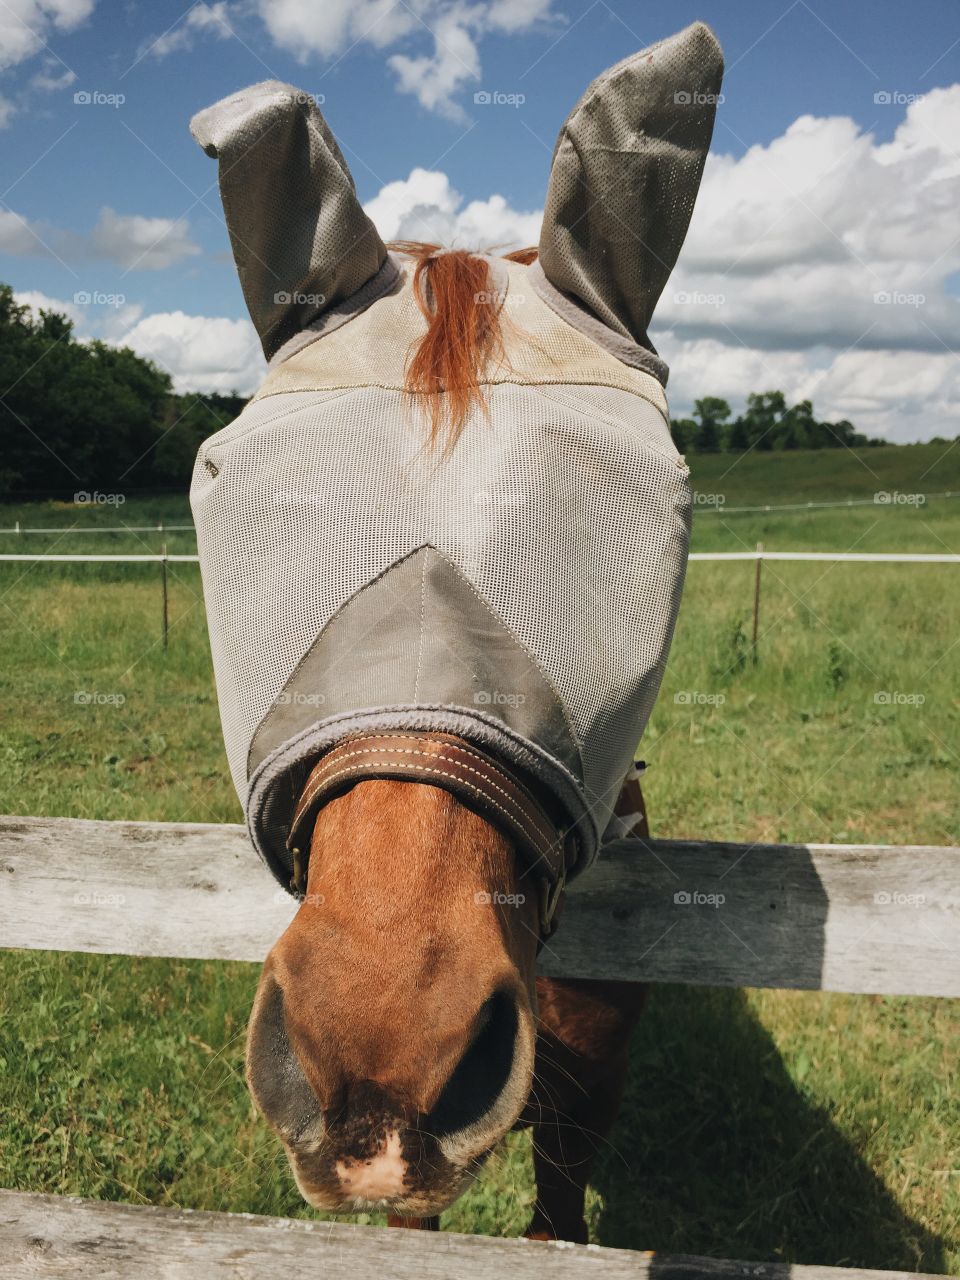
<point x="307" y="1085"/>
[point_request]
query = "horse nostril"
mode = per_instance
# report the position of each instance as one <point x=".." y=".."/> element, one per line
<point x="482" y="1072"/>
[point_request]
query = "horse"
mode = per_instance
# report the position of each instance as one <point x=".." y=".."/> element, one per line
<point x="442" y="552"/>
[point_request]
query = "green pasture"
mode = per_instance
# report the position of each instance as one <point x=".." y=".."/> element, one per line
<point x="775" y="1126"/>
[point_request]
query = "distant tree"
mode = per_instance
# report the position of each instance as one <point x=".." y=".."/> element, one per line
<point x="759" y="420"/>
<point x="684" y="432"/>
<point x="711" y="414"/>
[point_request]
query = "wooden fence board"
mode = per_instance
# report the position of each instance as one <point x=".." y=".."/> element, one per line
<point x="855" y="918"/>
<point x="59" y="1238"/>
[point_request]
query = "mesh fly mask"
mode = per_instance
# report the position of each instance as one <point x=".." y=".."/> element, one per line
<point x="517" y="594"/>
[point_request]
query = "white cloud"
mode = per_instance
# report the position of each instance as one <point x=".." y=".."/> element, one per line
<point x="201" y="19"/>
<point x="825" y="237"/>
<point x="25" y="25"/>
<point x="328" y="28"/>
<point x="201" y="353"/>
<point x="127" y="240"/>
<point x="435" y="78"/>
<point x="38" y="302"/>
<point x="7" y="111"/>
<point x="426" y="207"/>
<point x="135" y="242"/>
<point x="54" y="76"/>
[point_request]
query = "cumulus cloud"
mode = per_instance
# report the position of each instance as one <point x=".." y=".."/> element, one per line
<point x="825" y="237"/>
<point x="26" y="25"/>
<point x="201" y="353"/>
<point x="425" y="206"/>
<point x="328" y="28"/>
<point x="201" y="19"/>
<point x="126" y="240"/>
<point x="53" y="76"/>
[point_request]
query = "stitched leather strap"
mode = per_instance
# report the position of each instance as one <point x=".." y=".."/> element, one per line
<point x="441" y="760"/>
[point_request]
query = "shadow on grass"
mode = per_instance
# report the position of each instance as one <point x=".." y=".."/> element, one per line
<point x="717" y="1152"/>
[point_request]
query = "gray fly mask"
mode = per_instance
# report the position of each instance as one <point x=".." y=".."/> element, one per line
<point x="519" y="592"/>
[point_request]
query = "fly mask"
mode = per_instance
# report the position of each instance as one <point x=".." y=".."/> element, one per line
<point x="514" y="597"/>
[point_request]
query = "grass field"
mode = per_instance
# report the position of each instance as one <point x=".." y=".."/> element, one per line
<point x="777" y="1126"/>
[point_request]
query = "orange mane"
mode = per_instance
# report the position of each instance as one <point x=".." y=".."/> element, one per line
<point x="452" y="288"/>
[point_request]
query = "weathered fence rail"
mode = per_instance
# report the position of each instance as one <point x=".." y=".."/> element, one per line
<point x="54" y="1238"/>
<point x="856" y="918"/>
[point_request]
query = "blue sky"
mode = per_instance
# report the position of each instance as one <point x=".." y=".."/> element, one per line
<point x="800" y="227"/>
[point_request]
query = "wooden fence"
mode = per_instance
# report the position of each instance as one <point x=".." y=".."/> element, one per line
<point x="855" y="918"/>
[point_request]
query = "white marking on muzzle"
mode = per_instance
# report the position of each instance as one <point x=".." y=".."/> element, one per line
<point x="379" y="1178"/>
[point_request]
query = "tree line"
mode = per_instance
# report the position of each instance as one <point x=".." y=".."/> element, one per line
<point x="80" y="416"/>
<point x="86" y="415"/>
<point x="766" y="423"/>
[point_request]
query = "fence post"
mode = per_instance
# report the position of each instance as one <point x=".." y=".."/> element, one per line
<point x="756" y="598"/>
<point x="163" y="575"/>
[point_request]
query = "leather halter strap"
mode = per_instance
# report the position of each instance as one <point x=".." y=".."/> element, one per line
<point x="447" y="761"/>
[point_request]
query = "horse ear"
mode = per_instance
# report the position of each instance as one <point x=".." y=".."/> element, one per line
<point x="623" y="182"/>
<point x="300" y="238"/>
